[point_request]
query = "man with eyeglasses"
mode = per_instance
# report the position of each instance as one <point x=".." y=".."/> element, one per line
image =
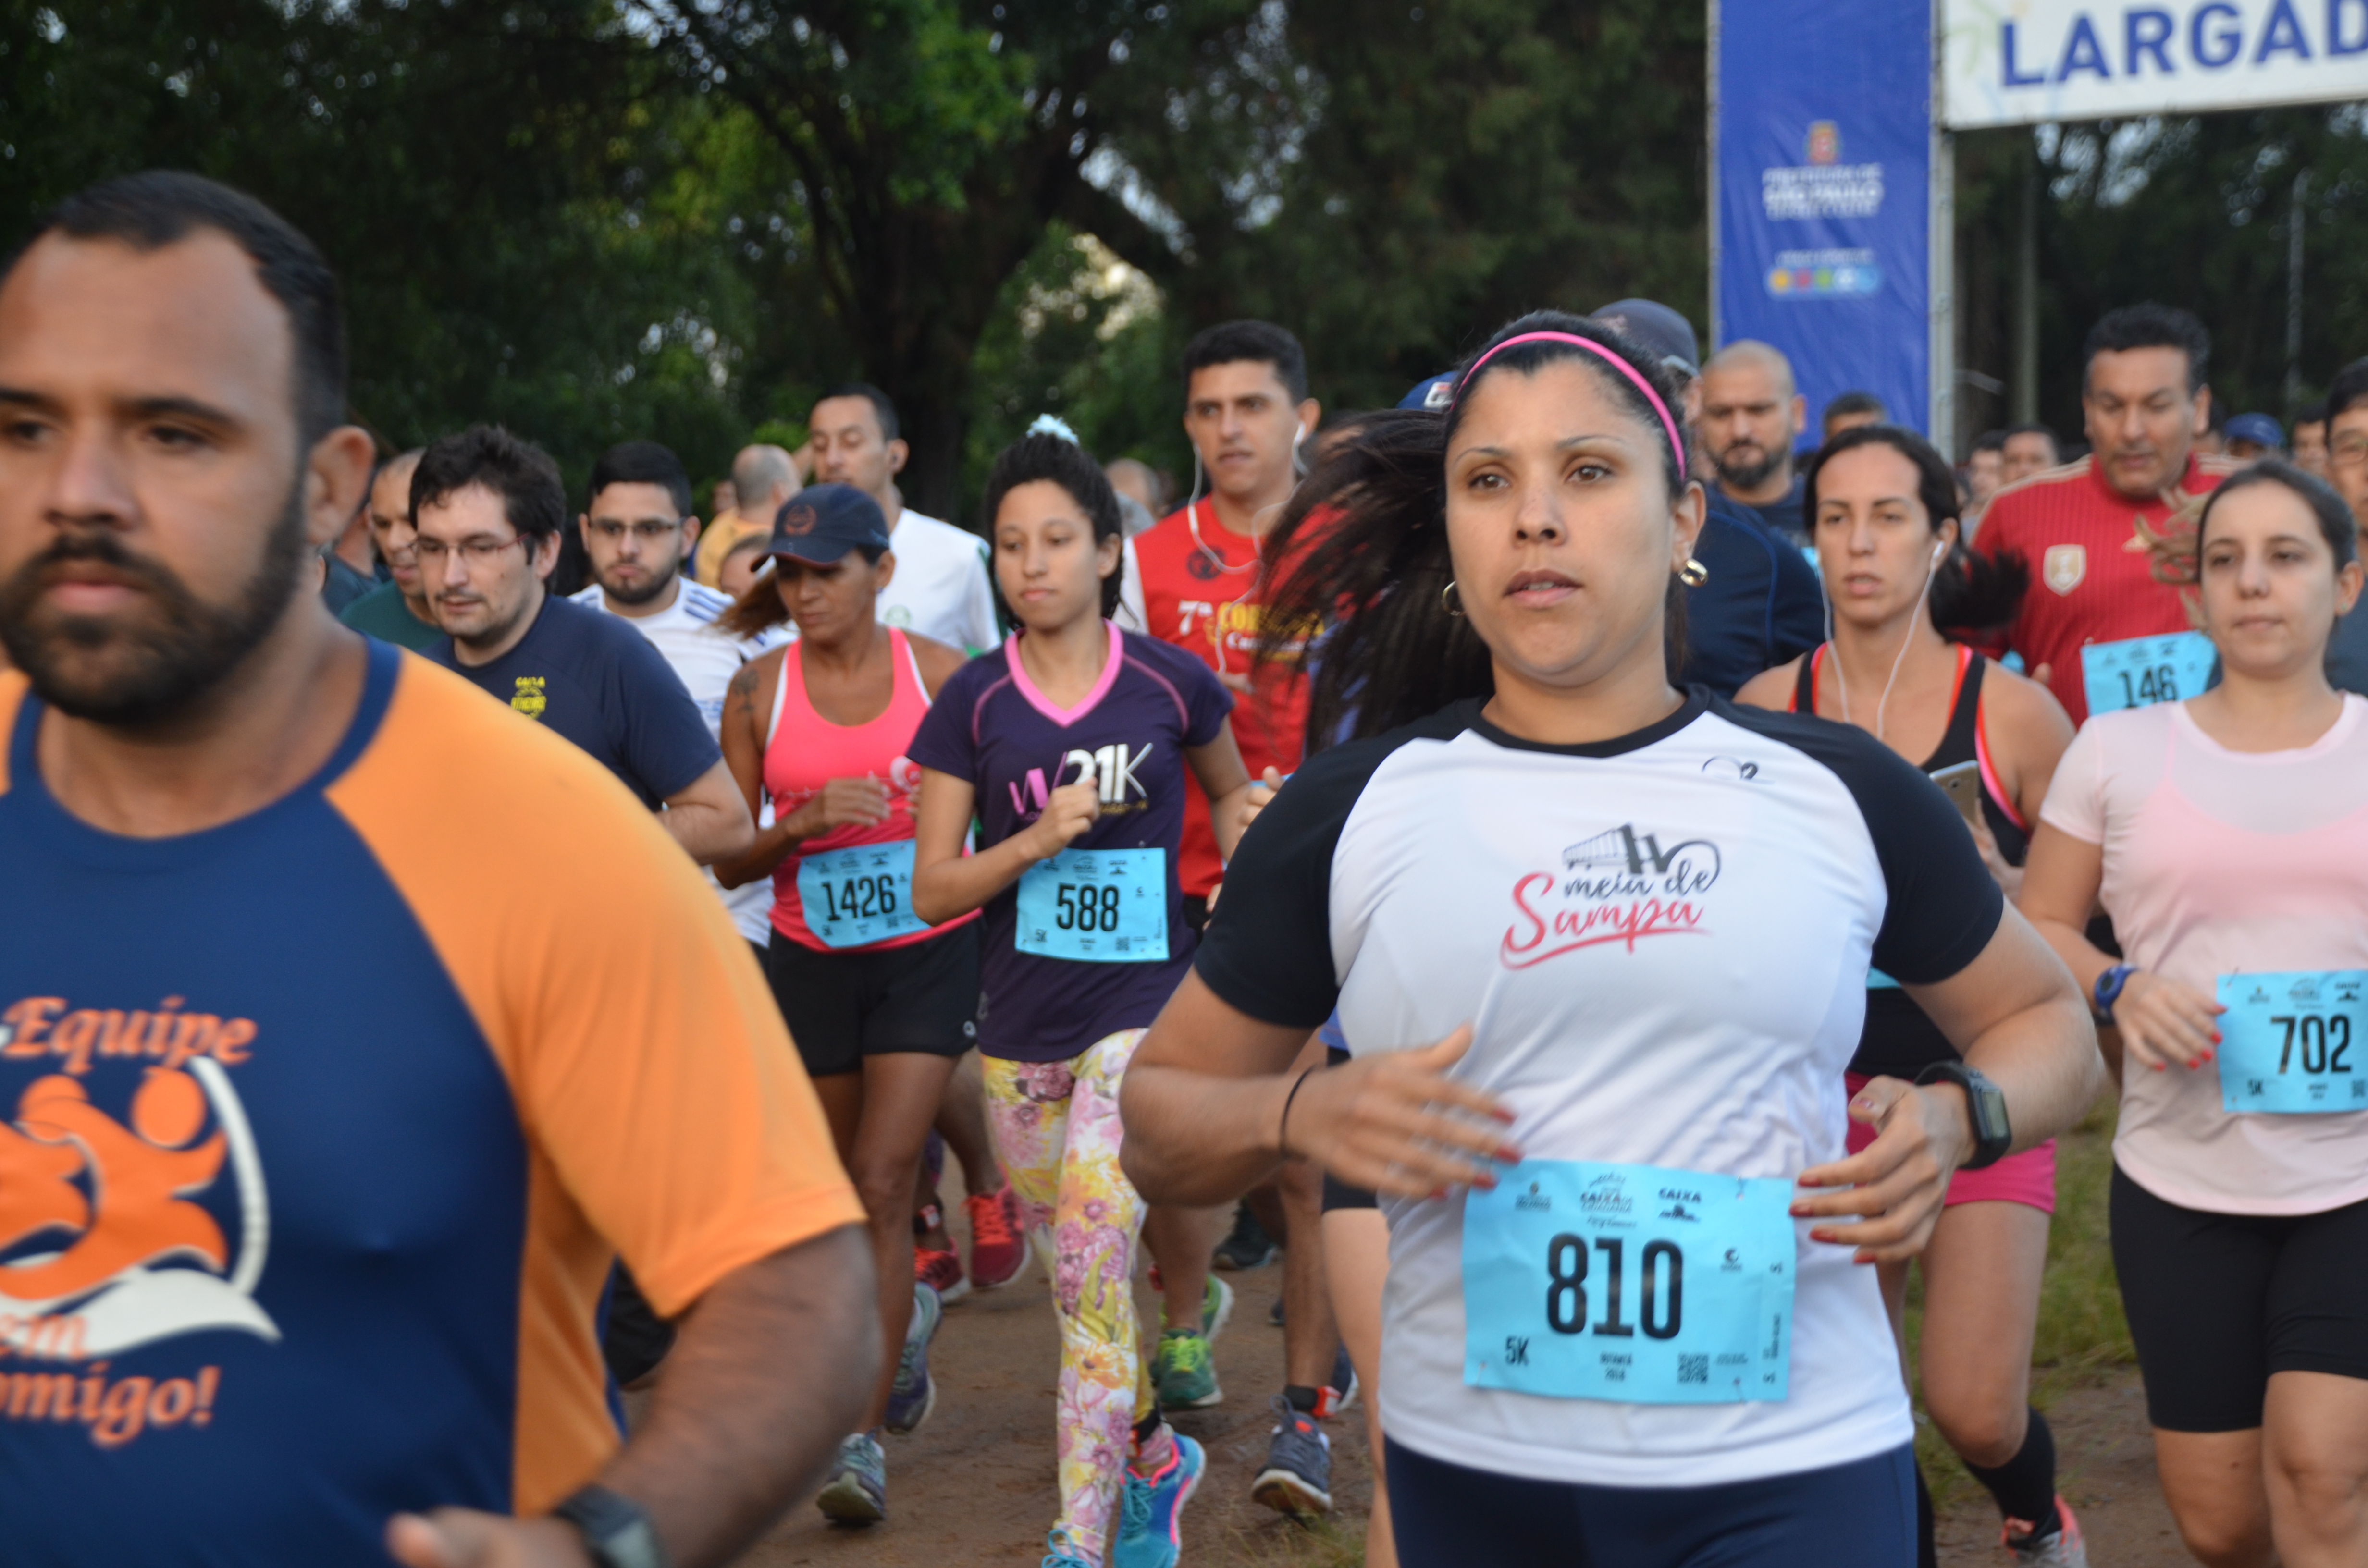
<point x="488" y="508"/>
<point x="639" y="534"/>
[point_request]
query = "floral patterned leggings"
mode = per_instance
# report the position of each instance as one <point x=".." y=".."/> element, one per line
<point x="1056" y="1130"/>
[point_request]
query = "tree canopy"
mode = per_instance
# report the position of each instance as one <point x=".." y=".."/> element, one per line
<point x="683" y="218"/>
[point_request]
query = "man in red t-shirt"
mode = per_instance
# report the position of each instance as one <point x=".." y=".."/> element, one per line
<point x="1205" y="587"/>
<point x="1247" y="409"/>
<point x="2082" y="527"/>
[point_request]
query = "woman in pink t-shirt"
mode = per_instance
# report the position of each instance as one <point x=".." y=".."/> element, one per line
<point x="2227" y="837"/>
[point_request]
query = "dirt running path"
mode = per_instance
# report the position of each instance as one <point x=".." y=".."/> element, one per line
<point x="2104" y="1456"/>
<point x="975" y="1485"/>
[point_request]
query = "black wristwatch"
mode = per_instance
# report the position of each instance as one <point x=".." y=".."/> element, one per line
<point x="1984" y="1106"/>
<point x="615" y="1530"/>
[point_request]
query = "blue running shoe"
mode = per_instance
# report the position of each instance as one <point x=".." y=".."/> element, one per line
<point x="913" y="1395"/>
<point x="1297" y="1479"/>
<point x="857" y="1491"/>
<point x="1062" y="1552"/>
<point x="1151" y="1523"/>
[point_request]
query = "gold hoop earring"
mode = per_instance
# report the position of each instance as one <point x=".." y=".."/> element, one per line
<point x="1693" y="574"/>
<point x="1453" y="607"/>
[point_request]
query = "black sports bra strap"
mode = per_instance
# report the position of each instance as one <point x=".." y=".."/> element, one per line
<point x="1804" y="685"/>
<point x="1958" y="743"/>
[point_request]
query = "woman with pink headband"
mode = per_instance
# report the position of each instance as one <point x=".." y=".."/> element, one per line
<point x="1599" y="946"/>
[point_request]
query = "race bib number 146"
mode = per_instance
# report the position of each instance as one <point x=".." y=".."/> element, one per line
<point x="1635" y="1283"/>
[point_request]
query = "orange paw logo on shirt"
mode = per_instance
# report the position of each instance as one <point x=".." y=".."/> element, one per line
<point x="528" y="698"/>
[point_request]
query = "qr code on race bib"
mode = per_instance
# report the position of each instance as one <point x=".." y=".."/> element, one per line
<point x="1693" y="1369"/>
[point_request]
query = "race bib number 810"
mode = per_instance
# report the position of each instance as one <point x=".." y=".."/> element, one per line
<point x="1635" y="1283"/>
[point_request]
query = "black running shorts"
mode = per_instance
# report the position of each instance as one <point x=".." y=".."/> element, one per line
<point x="842" y="1008"/>
<point x="2218" y="1302"/>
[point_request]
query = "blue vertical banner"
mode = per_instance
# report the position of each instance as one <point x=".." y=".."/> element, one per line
<point x="1823" y="148"/>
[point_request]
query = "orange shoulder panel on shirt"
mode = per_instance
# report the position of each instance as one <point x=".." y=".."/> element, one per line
<point x="667" y="1111"/>
<point x="13" y="688"/>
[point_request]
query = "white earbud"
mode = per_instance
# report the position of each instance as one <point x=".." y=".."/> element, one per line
<point x="1302" y="436"/>
<point x="1939" y="551"/>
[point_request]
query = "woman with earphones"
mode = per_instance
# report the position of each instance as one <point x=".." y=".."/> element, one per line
<point x="1882" y="511"/>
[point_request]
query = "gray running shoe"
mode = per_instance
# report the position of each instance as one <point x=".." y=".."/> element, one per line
<point x="857" y="1491"/>
<point x="1297" y="1479"/>
<point x="2065" y="1549"/>
<point x="913" y="1394"/>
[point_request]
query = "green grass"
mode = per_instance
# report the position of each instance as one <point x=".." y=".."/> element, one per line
<point x="2081" y="1330"/>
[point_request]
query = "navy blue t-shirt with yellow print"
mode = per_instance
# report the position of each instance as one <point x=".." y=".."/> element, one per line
<point x="597" y="681"/>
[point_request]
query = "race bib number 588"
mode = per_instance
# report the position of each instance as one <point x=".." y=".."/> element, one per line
<point x="1636" y="1283"/>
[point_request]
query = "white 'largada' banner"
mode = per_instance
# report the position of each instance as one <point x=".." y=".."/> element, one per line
<point x="2021" y="61"/>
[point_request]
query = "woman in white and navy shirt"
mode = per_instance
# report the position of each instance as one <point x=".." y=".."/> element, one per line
<point x="1577" y="918"/>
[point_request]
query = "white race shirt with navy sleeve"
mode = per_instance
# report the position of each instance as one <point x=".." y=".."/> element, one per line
<point x="1662" y="942"/>
<point x="706" y="657"/>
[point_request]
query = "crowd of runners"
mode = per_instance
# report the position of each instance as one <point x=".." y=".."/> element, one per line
<point x="1600" y="884"/>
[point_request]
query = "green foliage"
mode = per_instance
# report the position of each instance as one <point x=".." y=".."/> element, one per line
<point x="2188" y="212"/>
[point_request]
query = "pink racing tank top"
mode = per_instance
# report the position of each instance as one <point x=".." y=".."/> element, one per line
<point x="804" y="750"/>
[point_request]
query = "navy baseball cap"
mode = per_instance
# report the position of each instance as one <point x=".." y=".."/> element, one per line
<point x="2258" y="428"/>
<point x="1435" y="393"/>
<point x="1661" y="329"/>
<point x="823" y="522"/>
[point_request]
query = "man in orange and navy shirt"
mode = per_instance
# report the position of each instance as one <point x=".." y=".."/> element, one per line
<point x="1205" y="581"/>
<point x="350" y="1024"/>
<point x="2081" y="528"/>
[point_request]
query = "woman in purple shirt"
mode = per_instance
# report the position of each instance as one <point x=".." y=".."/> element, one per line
<point x="1070" y="744"/>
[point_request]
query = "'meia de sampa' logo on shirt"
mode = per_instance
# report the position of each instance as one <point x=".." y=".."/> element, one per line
<point x="1617" y="886"/>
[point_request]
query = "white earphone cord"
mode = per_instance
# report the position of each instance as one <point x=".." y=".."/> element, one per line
<point x="1931" y="571"/>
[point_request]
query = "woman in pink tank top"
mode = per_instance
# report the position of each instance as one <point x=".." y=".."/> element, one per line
<point x="882" y="1005"/>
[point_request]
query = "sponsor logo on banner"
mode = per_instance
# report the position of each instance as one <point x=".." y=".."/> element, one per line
<point x="2063" y="566"/>
<point x="1822" y="186"/>
<point x="1617" y="888"/>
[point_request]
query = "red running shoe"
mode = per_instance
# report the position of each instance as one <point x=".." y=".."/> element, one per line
<point x="941" y="1271"/>
<point x="998" y="1250"/>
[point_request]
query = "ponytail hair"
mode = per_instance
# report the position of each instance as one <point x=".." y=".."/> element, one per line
<point x="1365" y="536"/>
<point x="1971" y="593"/>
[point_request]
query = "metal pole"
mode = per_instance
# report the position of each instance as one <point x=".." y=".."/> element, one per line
<point x="2295" y="221"/>
<point x="2023" y="403"/>
<point x="1718" y="327"/>
<point x="1941" y="258"/>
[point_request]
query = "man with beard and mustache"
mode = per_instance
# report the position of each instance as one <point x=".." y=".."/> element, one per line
<point x="639" y="533"/>
<point x="413" y="992"/>
<point x="490" y="509"/>
<point x="1751" y="415"/>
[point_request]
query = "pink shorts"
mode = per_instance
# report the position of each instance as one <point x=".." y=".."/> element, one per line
<point x="2028" y="1178"/>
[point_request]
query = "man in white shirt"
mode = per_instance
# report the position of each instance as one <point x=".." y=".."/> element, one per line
<point x="944" y="588"/>
<point x="638" y="532"/>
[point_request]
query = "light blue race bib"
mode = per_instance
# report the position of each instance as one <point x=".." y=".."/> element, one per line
<point x="857" y="896"/>
<point x="2144" y="671"/>
<point x="2287" y="1042"/>
<point x="1095" y="906"/>
<point x="1634" y="1283"/>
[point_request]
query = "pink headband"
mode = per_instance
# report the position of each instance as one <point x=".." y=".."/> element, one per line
<point x="1668" y="425"/>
